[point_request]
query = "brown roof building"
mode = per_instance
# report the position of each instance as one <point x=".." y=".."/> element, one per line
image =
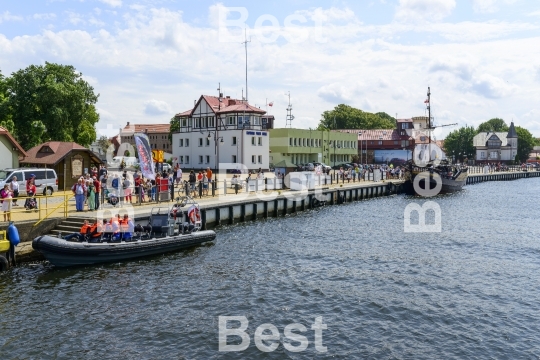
<point x="158" y="134"/>
<point x="70" y="160"/>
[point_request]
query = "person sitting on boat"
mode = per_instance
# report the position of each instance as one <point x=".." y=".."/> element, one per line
<point x="96" y="230"/>
<point x="107" y="229"/>
<point x="80" y="236"/>
<point x="115" y="224"/>
<point x="194" y="216"/>
<point x="127" y="227"/>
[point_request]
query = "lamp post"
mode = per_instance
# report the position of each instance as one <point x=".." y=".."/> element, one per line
<point x="360" y="134"/>
<point x="216" y="151"/>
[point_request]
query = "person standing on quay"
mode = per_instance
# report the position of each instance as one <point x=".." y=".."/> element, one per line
<point x="91" y="195"/>
<point x="5" y="194"/>
<point x="79" y="190"/>
<point x="97" y="188"/>
<point x="14" y="187"/>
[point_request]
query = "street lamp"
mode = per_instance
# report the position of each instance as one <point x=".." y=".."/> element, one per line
<point x="216" y="151"/>
<point x="360" y="134"/>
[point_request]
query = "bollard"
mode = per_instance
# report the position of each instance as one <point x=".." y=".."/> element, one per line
<point x="213" y="188"/>
<point x="200" y="189"/>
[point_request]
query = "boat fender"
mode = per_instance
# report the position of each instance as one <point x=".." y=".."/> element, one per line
<point x="315" y="202"/>
<point x="4" y="265"/>
<point x="13" y="235"/>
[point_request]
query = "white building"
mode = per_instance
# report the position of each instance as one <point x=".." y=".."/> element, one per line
<point x="496" y="146"/>
<point x="239" y="128"/>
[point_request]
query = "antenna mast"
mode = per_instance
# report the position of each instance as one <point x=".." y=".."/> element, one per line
<point x="245" y="45"/>
<point x="290" y="116"/>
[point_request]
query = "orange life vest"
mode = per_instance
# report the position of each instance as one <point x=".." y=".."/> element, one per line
<point x="194" y="215"/>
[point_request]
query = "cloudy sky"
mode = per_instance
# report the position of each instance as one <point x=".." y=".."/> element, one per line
<point x="150" y="59"/>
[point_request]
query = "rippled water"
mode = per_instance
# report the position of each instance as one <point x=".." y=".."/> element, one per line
<point x="471" y="292"/>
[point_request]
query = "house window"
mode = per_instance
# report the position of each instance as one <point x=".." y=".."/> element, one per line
<point x="256" y="120"/>
<point x="259" y="141"/>
<point x="200" y="141"/>
<point x="187" y="159"/>
<point x="290" y="142"/>
<point x="396" y="142"/>
<point x="234" y="140"/>
<point x="253" y="159"/>
<point x="211" y="121"/>
<point x="197" y="122"/>
<point x="207" y="142"/>
<point x="184" y="122"/>
<point x="200" y="159"/>
<point x="294" y="141"/>
<point x="380" y="142"/>
<point x="187" y="142"/>
<point x="260" y="159"/>
<point x="207" y="159"/>
<point x="482" y="154"/>
<point x="230" y="120"/>
<point x="234" y="159"/>
<point x="181" y="160"/>
<point x="253" y="140"/>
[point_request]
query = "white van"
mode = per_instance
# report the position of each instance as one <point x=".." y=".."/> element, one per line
<point x="46" y="180"/>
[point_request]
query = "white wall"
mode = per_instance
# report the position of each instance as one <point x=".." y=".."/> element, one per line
<point x="243" y="150"/>
<point x="6" y="156"/>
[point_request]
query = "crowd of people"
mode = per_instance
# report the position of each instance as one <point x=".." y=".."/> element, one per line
<point x="10" y="193"/>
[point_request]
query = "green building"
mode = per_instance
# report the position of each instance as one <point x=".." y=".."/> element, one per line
<point x="301" y="146"/>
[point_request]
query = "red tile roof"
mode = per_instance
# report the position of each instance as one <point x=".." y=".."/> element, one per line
<point x="141" y="128"/>
<point x="227" y="105"/>
<point x="4" y="131"/>
<point x="58" y="151"/>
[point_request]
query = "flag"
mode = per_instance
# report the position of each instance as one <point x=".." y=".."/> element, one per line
<point x="271" y="104"/>
<point x="145" y="156"/>
<point x="426" y="101"/>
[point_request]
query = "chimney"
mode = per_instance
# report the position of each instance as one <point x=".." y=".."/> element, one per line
<point x="194" y="102"/>
<point x="228" y="97"/>
<point x="127" y="123"/>
<point x="146" y="131"/>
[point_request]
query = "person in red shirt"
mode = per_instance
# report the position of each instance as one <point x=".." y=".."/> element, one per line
<point x="97" y="186"/>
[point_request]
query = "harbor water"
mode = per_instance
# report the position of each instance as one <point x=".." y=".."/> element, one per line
<point x="471" y="291"/>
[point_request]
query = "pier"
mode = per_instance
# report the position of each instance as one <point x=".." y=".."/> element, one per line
<point x="478" y="175"/>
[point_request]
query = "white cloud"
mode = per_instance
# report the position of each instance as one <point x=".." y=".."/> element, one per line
<point x="415" y="10"/>
<point x="492" y="87"/>
<point x="113" y="3"/>
<point x="48" y="16"/>
<point x="7" y="16"/>
<point x="462" y="69"/>
<point x="156" y="107"/>
<point x="534" y="13"/>
<point x="485" y="6"/>
<point x="74" y="18"/>
<point x="489" y="6"/>
<point x="339" y="93"/>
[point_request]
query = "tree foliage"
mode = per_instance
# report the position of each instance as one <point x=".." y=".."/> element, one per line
<point x="50" y="102"/>
<point x="459" y="143"/>
<point x="347" y="117"/>
<point x="104" y="143"/>
<point x="525" y="143"/>
<point x="175" y="127"/>
<point x="493" y="125"/>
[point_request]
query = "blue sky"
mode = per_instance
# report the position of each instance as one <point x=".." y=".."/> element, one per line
<point x="150" y="59"/>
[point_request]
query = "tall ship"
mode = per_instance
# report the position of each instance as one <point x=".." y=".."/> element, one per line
<point x="431" y="173"/>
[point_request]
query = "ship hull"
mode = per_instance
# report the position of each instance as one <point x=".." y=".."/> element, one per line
<point x="448" y="185"/>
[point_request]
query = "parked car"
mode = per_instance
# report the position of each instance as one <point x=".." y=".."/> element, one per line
<point x="325" y="168"/>
<point x="46" y="179"/>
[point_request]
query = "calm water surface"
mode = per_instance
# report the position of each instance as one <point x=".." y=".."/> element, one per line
<point x="471" y="292"/>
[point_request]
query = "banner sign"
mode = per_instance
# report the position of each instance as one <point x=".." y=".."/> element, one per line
<point x="145" y="156"/>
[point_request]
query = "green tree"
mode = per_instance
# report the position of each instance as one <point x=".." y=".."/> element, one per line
<point x="175" y="127"/>
<point x="51" y="102"/>
<point x="5" y="116"/>
<point x="104" y="143"/>
<point x="493" y="125"/>
<point x="347" y="117"/>
<point x="525" y="143"/>
<point x="459" y="143"/>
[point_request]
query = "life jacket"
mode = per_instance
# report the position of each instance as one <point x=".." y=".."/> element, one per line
<point x="96" y="229"/>
<point x="124" y="225"/>
<point x="85" y="228"/>
<point x="194" y="215"/>
<point x="115" y="225"/>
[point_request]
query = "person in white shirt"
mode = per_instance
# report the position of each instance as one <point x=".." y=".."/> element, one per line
<point x="14" y="187"/>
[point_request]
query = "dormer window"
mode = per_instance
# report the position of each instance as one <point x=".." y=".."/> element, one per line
<point x="45" y="149"/>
